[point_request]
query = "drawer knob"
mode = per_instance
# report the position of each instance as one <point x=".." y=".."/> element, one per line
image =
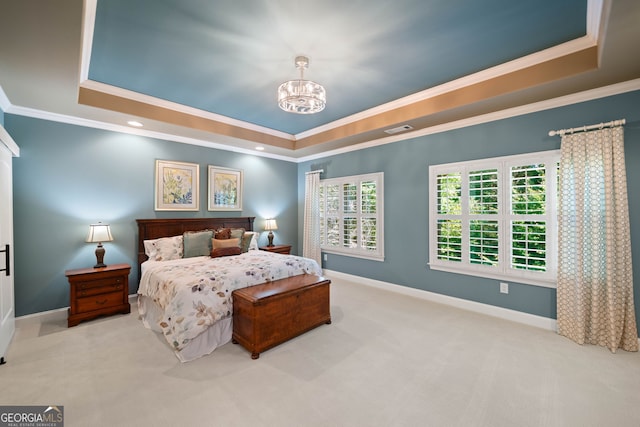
<point x="101" y="302"/>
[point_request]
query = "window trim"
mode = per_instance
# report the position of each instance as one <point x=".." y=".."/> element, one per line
<point x="377" y="255"/>
<point x="504" y="272"/>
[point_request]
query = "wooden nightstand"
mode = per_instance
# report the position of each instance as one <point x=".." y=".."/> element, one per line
<point x="279" y="249"/>
<point x="97" y="292"/>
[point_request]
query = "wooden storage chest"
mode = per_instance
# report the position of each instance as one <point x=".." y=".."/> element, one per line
<point x="269" y="314"/>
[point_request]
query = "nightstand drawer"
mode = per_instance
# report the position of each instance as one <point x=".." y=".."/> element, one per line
<point x="102" y="286"/>
<point x="98" y="302"/>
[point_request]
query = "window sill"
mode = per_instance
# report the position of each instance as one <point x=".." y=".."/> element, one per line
<point x="504" y="277"/>
<point x="354" y="254"/>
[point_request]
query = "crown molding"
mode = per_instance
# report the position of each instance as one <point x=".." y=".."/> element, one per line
<point x="540" y="57"/>
<point x="95" y="124"/>
<point x="180" y="108"/>
<point x="88" y="27"/>
<point x="576" y="98"/>
<point x="5" y="138"/>
<point x="597" y="19"/>
<point x="549" y="54"/>
<point x="603" y="92"/>
<point x="4" y="101"/>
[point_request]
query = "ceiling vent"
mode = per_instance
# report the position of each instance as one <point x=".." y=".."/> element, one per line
<point x="399" y="129"/>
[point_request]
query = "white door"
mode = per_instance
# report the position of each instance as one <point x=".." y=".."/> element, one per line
<point x="7" y="304"/>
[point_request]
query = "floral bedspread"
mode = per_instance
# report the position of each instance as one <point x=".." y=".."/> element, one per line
<point x="196" y="292"/>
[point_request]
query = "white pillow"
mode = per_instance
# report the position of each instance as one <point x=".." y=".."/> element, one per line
<point x="164" y="248"/>
<point x="150" y="249"/>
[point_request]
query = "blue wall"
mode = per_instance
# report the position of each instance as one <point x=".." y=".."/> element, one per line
<point x="406" y="182"/>
<point x="68" y="177"/>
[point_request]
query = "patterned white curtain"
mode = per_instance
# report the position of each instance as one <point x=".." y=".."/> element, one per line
<point x="595" y="283"/>
<point x="311" y="233"/>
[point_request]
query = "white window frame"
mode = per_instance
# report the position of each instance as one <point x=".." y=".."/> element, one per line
<point x="502" y="271"/>
<point x="358" y="252"/>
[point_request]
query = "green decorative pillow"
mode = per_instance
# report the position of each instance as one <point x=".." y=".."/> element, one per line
<point x="246" y="241"/>
<point x="237" y="233"/>
<point x="197" y="243"/>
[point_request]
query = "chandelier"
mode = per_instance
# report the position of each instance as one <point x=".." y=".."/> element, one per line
<point x="301" y="96"/>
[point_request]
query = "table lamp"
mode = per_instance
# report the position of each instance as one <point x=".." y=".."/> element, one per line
<point x="270" y="225"/>
<point x="99" y="233"/>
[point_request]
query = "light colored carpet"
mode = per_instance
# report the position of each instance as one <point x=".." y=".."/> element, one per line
<point x="387" y="360"/>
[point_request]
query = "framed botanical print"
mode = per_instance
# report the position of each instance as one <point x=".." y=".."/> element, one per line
<point x="177" y="186"/>
<point x="225" y="189"/>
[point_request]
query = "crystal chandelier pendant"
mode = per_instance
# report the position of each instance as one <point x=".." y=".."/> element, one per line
<point x="301" y="96"/>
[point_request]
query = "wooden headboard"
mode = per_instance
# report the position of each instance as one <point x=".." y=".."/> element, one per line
<point x="166" y="227"/>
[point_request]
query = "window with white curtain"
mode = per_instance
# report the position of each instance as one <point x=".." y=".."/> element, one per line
<point x="496" y="217"/>
<point x="351" y="216"/>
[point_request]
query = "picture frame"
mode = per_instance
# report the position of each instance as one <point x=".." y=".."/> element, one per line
<point x="225" y="189"/>
<point x="177" y="186"/>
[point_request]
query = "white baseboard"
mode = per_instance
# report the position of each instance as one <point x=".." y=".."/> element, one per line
<point x="59" y="314"/>
<point x="490" y="310"/>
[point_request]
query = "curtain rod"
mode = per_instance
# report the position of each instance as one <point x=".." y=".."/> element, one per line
<point x="612" y="123"/>
<point x="316" y="171"/>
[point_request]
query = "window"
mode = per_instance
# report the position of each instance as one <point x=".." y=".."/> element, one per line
<point x="351" y="220"/>
<point x="496" y="217"/>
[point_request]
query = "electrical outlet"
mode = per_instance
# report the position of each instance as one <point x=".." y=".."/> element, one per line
<point x="504" y="288"/>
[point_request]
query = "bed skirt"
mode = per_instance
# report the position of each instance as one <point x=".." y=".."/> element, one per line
<point x="214" y="337"/>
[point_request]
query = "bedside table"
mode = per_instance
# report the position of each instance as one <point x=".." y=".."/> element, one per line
<point x="97" y="292"/>
<point x="279" y="249"/>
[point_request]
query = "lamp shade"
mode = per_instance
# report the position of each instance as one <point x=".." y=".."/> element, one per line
<point x="270" y="224"/>
<point x="99" y="233"/>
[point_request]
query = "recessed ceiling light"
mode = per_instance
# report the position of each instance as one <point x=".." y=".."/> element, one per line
<point x="260" y="148"/>
<point x="134" y="123"/>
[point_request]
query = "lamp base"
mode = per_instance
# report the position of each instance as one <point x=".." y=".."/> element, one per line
<point x="270" y="237"/>
<point x="100" y="257"/>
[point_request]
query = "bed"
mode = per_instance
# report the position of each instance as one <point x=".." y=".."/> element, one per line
<point x="186" y="295"/>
